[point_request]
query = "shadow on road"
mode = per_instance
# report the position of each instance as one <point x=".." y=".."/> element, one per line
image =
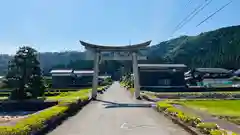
<point x="109" y="104"/>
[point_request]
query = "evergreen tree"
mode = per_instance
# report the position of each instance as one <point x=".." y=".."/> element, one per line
<point x="24" y="75"/>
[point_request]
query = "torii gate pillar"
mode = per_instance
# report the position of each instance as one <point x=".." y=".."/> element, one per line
<point x="136" y="75"/>
<point x="95" y="74"/>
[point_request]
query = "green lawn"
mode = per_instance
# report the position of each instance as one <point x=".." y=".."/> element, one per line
<point x="82" y="94"/>
<point x="216" y="107"/>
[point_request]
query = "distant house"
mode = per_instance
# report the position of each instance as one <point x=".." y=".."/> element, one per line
<point x="62" y="78"/>
<point x="68" y="78"/>
<point x="162" y="75"/>
<point x="82" y="78"/>
<point x="209" y="77"/>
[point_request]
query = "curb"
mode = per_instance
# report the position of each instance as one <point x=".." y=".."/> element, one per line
<point x="58" y="120"/>
<point x="147" y="98"/>
<point x="189" y="129"/>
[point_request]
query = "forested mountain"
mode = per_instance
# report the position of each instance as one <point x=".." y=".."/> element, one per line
<point x="218" y="48"/>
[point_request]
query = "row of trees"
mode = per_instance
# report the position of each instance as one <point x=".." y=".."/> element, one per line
<point x="24" y="75"/>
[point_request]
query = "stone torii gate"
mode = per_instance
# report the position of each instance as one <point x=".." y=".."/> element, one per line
<point x="96" y="51"/>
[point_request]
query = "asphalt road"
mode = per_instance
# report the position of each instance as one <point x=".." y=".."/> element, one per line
<point x="116" y="113"/>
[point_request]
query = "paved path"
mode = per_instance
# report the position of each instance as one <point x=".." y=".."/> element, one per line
<point x="97" y="118"/>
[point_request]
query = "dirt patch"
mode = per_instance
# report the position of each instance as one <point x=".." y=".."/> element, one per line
<point x="10" y="120"/>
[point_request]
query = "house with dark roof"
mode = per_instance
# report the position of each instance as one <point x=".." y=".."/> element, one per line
<point x="62" y="78"/>
<point x="161" y="75"/>
<point x="212" y="77"/>
<point x="68" y="78"/>
<point x="83" y="78"/>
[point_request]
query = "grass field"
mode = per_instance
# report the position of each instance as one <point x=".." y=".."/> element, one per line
<point x="216" y="107"/>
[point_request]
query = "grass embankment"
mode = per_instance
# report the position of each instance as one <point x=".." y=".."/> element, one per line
<point x="68" y="102"/>
<point x="191" y="119"/>
<point x="34" y="122"/>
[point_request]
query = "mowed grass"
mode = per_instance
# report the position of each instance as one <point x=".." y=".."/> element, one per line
<point x="81" y="94"/>
<point x="216" y="107"/>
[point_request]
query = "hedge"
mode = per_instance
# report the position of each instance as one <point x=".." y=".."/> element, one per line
<point x="206" y="128"/>
<point x="36" y="122"/>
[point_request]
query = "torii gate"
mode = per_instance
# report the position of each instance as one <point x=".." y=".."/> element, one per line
<point x="96" y="51"/>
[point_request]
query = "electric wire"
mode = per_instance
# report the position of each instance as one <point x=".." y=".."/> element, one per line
<point x="210" y="16"/>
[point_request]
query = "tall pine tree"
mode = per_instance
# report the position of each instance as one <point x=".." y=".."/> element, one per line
<point x="24" y="75"/>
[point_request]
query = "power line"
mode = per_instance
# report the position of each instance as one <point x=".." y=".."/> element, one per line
<point x="196" y="13"/>
<point x="179" y="24"/>
<point x="192" y="15"/>
<point x="210" y="16"/>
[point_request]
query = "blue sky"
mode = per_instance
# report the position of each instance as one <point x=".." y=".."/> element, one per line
<point x="58" y="25"/>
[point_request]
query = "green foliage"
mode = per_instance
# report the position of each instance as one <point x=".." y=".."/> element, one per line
<point x="107" y="81"/>
<point x="24" y="74"/>
<point x="128" y="81"/>
<point x="220" y="45"/>
<point x="207" y="127"/>
<point x="221" y="132"/>
<point x="170" y="109"/>
<point x="173" y="111"/>
<point x="34" y="122"/>
<point x="37" y="121"/>
<point x="72" y="96"/>
<point x="163" y="105"/>
<point x="191" y="120"/>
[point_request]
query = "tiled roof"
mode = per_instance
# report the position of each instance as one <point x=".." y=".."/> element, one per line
<point x="212" y="70"/>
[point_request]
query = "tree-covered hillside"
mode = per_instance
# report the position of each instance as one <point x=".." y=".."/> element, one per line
<point x="219" y="48"/>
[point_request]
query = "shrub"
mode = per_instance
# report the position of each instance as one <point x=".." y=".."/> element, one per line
<point x="107" y="81"/>
<point x="173" y="111"/>
<point x="221" y="132"/>
<point x="207" y="127"/>
<point x="38" y="121"/>
<point x="34" y="122"/>
<point x="191" y="120"/>
<point x="163" y="106"/>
